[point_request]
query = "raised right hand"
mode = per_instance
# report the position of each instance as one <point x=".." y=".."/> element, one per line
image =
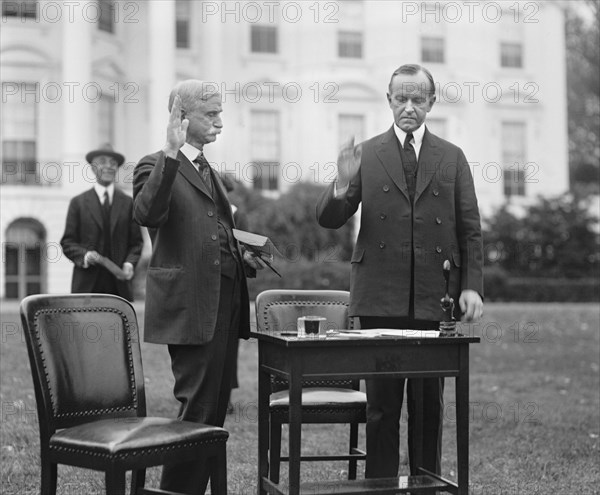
<point x="176" y="129"/>
<point x="348" y="162"/>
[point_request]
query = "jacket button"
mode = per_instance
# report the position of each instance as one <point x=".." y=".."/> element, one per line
<point x="381" y="245"/>
<point x="217" y="262"/>
<point x="213" y="237"/>
<point x="210" y="213"/>
<point x="386" y="188"/>
<point x="438" y="220"/>
<point x="383" y="216"/>
<point x="436" y="192"/>
<point x="438" y="249"/>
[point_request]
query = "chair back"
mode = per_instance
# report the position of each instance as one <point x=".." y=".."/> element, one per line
<point x="85" y="359"/>
<point x="278" y="310"/>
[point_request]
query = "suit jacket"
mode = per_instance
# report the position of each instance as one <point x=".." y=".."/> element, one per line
<point x="442" y="223"/>
<point x="84" y="232"/>
<point x="184" y="276"/>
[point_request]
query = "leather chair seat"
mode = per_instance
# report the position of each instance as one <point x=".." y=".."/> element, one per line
<point x="322" y="397"/>
<point x="322" y="405"/>
<point x="129" y="436"/>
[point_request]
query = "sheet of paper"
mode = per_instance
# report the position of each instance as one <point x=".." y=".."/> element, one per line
<point x="358" y="334"/>
<point x="388" y="332"/>
<point x="393" y="332"/>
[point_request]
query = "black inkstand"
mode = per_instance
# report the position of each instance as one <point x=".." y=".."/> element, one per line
<point x="448" y="323"/>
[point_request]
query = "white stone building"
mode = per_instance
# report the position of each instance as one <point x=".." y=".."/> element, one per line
<point x="297" y="79"/>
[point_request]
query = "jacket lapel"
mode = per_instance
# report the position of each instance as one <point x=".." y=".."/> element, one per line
<point x="92" y="204"/>
<point x="188" y="170"/>
<point x="388" y="153"/>
<point x="429" y="159"/>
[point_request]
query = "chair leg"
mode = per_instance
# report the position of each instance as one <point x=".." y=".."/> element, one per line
<point x="115" y="482"/>
<point x="48" y="481"/>
<point x="275" y="451"/>
<point x="138" y="480"/>
<point x="218" y="472"/>
<point x="353" y="445"/>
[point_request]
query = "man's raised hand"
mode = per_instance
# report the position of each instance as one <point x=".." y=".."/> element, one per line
<point x="348" y="163"/>
<point x="176" y="129"/>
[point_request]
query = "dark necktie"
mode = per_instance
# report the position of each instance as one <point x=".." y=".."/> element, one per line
<point x="106" y="224"/>
<point x="204" y="170"/>
<point x="410" y="151"/>
<point x="410" y="165"/>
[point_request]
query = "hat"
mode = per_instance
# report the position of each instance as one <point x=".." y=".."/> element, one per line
<point x="105" y="149"/>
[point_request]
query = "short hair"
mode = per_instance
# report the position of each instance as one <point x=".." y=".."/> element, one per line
<point x="192" y="92"/>
<point x="413" y="69"/>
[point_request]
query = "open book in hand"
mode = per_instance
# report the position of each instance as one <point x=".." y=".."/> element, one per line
<point x="259" y="245"/>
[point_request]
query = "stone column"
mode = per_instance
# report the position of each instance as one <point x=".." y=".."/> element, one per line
<point x="161" y="67"/>
<point x="77" y="114"/>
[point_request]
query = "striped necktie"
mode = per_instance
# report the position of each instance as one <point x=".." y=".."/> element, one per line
<point x="204" y="170"/>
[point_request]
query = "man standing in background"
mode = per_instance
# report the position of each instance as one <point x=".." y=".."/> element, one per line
<point x="100" y="235"/>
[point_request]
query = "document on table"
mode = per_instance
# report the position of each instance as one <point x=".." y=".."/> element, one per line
<point x="392" y="332"/>
<point x="356" y="334"/>
<point x="388" y="332"/>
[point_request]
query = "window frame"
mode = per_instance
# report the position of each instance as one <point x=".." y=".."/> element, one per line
<point x="349" y="48"/>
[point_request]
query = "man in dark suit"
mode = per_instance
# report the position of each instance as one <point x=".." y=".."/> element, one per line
<point x="196" y="293"/>
<point x="418" y="209"/>
<point x="100" y="235"/>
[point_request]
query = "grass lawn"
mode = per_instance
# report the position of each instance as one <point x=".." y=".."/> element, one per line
<point x="534" y="409"/>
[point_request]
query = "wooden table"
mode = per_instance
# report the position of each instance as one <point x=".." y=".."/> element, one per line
<point x="379" y="357"/>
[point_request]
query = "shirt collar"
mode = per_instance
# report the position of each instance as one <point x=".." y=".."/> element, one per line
<point x="417" y="135"/>
<point x="190" y="152"/>
<point x="100" y="190"/>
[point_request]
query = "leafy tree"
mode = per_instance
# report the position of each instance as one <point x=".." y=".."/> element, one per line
<point x="556" y="237"/>
<point x="290" y="221"/>
<point x="583" y="95"/>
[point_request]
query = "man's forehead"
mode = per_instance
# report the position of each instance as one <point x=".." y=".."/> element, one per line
<point x="212" y="103"/>
<point x="413" y="84"/>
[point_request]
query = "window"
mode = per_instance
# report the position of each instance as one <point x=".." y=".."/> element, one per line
<point x="182" y="23"/>
<point x="24" y="271"/>
<point x="24" y="9"/>
<point x="106" y="120"/>
<point x="107" y="15"/>
<point x="513" y="158"/>
<point x="350" y="44"/>
<point x="511" y="55"/>
<point x="265" y="150"/>
<point x="350" y="125"/>
<point x="432" y="49"/>
<point x="263" y="39"/>
<point x="19" y="144"/>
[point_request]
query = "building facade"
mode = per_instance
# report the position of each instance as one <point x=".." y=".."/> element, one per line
<point x="297" y="78"/>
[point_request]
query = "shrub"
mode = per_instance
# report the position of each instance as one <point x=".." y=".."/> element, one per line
<point x="552" y="290"/>
<point x="494" y="283"/>
<point x="302" y="274"/>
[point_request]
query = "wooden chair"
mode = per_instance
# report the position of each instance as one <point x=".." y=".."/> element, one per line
<point x="87" y="373"/>
<point x="338" y="401"/>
